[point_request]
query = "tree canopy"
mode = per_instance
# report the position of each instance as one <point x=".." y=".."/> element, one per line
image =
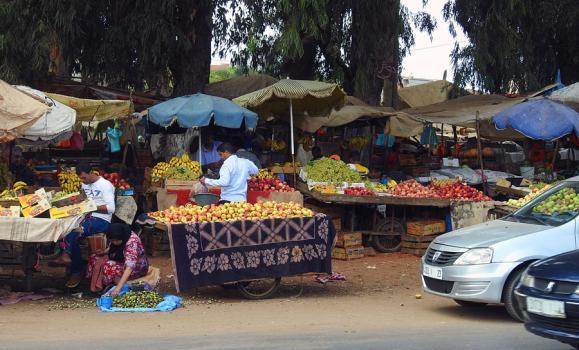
<point x="515" y="45"/>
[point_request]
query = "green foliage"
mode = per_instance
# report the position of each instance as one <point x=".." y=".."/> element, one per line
<point x="219" y="75"/>
<point x="515" y="45"/>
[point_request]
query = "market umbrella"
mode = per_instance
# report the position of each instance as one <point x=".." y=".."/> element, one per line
<point x="18" y="111"/>
<point x="303" y="97"/>
<point x="198" y="110"/>
<point x="55" y="123"/>
<point x="540" y="119"/>
<point x="568" y="95"/>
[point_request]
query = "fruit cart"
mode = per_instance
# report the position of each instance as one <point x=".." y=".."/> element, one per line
<point x="249" y="253"/>
<point x="388" y="221"/>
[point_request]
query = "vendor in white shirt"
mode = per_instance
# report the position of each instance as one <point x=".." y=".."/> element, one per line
<point x="102" y="192"/>
<point x="233" y="175"/>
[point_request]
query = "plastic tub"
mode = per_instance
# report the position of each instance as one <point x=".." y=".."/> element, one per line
<point x="204" y="199"/>
<point x="528" y="172"/>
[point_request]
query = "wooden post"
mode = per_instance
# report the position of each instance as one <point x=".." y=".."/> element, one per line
<point x="480" y="155"/>
<point x="555" y="155"/>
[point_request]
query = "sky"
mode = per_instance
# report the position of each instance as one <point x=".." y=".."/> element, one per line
<point x="428" y="58"/>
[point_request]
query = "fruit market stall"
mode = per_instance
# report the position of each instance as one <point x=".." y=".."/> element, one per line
<point x="381" y="211"/>
<point x="243" y="242"/>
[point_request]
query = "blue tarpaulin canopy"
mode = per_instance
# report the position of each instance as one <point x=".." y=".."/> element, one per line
<point x="540" y="119"/>
<point x="198" y="110"/>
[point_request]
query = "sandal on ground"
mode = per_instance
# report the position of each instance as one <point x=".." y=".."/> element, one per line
<point x="74" y="281"/>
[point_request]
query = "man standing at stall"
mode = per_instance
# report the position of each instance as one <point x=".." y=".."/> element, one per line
<point x="233" y="175"/>
<point x="102" y="192"/>
<point x="209" y="155"/>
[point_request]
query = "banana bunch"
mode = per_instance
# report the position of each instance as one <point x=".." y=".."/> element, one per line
<point x="69" y="181"/>
<point x="377" y="187"/>
<point x="19" y="185"/>
<point x="274" y="145"/>
<point x="355" y="143"/>
<point x="264" y="174"/>
<point x="444" y="182"/>
<point x="178" y="168"/>
<point x="8" y="195"/>
<point x="391" y="183"/>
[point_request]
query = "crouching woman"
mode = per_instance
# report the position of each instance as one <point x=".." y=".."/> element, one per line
<point x="124" y="260"/>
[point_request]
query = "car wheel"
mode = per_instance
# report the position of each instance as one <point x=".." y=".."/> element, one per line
<point x="471" y="304"/>
<point x="509" y="299"/>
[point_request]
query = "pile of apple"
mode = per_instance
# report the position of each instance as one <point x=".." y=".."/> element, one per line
<point x="231" y="212"/>
<point x="459" y="191"/>
<point x="412" y="189"/>
<point x="358" y="191"/>
<point x="269" y="184"/>
<point x="564" y="201"/>
<point x="116" y="180"/>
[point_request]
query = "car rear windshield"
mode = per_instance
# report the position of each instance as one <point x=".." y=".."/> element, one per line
<point x="555" y="207"/>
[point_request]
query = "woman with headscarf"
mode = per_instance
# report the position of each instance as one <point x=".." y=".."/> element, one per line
<point x="125" y="260"/>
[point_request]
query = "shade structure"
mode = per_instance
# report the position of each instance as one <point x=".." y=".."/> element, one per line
<point x="288" y="97"/>
<point x="199" y="110"/>
<point x="240" y="85"/>
<point x="59" y="120"/>
<point x="568" y="95"/>
<point x="540" y="119"/>
<point x="18" y="111"/>
<point x="89" y="110"/>
<point x="312" y="98"/>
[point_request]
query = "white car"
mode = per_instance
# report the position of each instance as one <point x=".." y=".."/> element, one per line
<point x="482" y="264"/>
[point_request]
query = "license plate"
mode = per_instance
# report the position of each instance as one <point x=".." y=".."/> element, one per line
<point x="543" y="307"/>
<point x="432" y="272"/>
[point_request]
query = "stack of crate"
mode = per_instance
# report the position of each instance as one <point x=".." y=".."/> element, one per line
<point x="348" y="246"/>
<point x="419" y="235"/>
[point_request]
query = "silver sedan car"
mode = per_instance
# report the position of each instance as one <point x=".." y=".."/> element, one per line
<point x="483" y="264"/>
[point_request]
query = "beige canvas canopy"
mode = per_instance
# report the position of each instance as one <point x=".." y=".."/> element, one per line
<point x="88" y="110"/>
<point x="18" y="111"/>
<point x="425" y="94"/>
<point x="463" y="111"/>
<point x="240" y="85"/>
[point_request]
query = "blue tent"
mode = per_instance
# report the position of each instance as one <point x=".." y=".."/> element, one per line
<point x="540" y="119"/>
<point x="198" y="110"/>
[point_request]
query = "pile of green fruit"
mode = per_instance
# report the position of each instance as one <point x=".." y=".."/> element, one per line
<point x="181" y="173"/>
<point x="564" y="201"/>
<point x="143" y="299"/>
<point x="330" y="170"/>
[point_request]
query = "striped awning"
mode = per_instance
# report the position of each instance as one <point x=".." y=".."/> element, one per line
<point x="312" y="98"/>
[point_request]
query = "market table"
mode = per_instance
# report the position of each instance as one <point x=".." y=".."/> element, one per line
<point x="386" y="232"/>
<point x="216" y="253"/>
<point x="19" y="238"/>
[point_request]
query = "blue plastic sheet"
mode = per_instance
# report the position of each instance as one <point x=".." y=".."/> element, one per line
<point x="169" y="303"/>
<point x="199" y="110"/>
<point x="540" y="119"/>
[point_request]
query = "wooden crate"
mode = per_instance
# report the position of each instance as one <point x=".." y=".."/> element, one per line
<point x="337" y="224"/>
<point x="349" y="253"/>
<point x="180" y="184"/>
<point x="418" y="239"/>
<point x="156" y="242"/>
<point x="349" y="239"/>
<point x="407" y="159"/>
<point x="425" y="227"/>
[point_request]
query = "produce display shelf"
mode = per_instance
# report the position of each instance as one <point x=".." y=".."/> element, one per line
<point x="389" y="200"/>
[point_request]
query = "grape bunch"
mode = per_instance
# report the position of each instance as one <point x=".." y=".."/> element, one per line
<point x="330" y="170"/>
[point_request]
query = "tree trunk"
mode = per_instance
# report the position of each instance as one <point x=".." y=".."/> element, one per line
<point x="303" y="68"/>
<point x="375" y="57"/>
<point x="192" y="72"/>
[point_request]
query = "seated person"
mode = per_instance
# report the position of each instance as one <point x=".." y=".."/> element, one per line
<point x="124" y="260"/>
<point x="355" y="163"/>
<point x="316" y="153"/>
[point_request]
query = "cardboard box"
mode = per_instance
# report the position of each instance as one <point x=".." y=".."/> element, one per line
<point x="425" y="227"/>
<point x="349" y="253"/>
<point x="450" y="162"/>
<point x="36" y="209"/>
<point x="31" y="199"/>
<point x="79" y="197"/>
<point x="12" y="211"/>
<point x="349" y="239"/>
<point x="72" y="210"/>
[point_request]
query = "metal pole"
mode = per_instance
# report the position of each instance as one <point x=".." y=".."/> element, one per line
<point x="200" y="145"/>
<point x="555" y="156"/>
<point x="292" y="139"/>
<point x="480" y="156"/>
